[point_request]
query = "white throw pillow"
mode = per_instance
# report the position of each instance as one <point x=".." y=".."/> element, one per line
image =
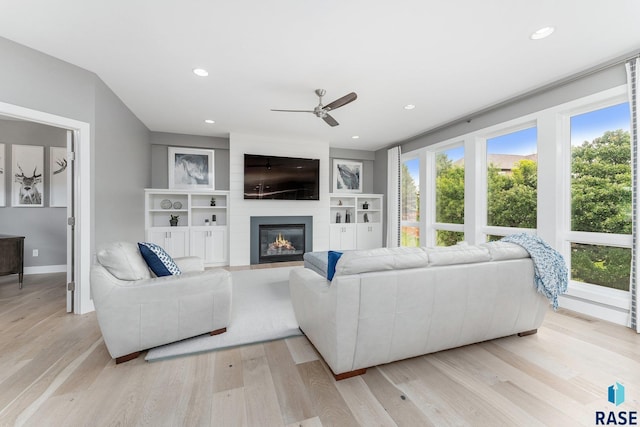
<point x="505" y="250"/>
<point x="123" y="261"/>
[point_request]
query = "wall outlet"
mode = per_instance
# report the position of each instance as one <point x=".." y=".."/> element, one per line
<point x="35" y="252"/>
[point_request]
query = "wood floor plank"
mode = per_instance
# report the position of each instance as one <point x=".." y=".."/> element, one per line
<point x="400" y="408"/>
<point x="311" y="422"/>
<point x="328" y="404"/>
<point x="228" y="369"/>
<point x="293" y="398"/>
<point x="229" y="408"/>
<point x="261" y="400"/>
<point x="444" y="399"/>
<point x="301" y="349"/>
<point x="364" y="406"/>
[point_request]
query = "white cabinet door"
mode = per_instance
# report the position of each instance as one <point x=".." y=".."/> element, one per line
<point x="210" y="244"/>
<point x="174" y="240"/>
<point x="369" y="235"/>
<point x="343" y="236"/>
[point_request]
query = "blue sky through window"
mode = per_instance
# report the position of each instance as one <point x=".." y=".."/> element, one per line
<point x="588" y="126"/>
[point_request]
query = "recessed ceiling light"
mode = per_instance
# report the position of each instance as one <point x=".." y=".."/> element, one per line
<point x="355" y="137"/>
<point x="201" y="72"/>
<point x="542" y="33"/>
<point x="409" y="107"/>
<point x="209" y="121"/>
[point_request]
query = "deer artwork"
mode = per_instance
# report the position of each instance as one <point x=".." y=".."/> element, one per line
<point x="62" y="165"/>
<point x="29" y="193"/>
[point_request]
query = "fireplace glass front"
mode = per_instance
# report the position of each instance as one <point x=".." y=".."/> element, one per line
<point x="281" y="242"/>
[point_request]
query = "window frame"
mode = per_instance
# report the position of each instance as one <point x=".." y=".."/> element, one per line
<point x="431" y="226"/>
<point x="600" y="294"/>
<point x="419" y="224"/>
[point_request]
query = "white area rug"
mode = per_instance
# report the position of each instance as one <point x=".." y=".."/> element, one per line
<point x="261" y="311"/>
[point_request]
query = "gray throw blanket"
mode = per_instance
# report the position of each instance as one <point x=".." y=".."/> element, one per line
<point x="550" y="270"/>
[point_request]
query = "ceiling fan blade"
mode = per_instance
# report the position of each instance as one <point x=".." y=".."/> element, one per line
<point x="296" y="111"/>
<point x="350" y="97"/>
<point x="330" y="120"/>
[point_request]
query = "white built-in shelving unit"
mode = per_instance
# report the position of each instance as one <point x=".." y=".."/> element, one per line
<point x="356" y="221"/>
<point x="196" y="232"/>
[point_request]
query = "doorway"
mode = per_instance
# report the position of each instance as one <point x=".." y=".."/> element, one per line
<point x="79" y="198"/>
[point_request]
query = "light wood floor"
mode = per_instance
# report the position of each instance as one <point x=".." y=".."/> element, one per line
<point x="55" y="371"/>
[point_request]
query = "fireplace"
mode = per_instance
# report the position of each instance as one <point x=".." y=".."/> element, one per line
<point x="280" y="238"/>
<point x="280" y="242"/>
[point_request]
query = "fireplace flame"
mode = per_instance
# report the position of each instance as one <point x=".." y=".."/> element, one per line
<point x="281" y="243"/>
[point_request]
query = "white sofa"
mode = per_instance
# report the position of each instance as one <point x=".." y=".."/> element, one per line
<point x="385" y="305"/>
<point x="137" y="311"/>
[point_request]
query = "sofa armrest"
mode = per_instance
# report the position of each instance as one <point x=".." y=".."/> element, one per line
<point x="327" y="313"/>
<point x="190" y="263"/>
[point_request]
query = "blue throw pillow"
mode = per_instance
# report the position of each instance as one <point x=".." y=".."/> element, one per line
<point x="334" y="256"/>
<point x="158" y="260"/>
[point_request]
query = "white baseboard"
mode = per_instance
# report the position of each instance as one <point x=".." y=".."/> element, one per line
<point x="44" y="269"/>
<point x="600" y="311"/>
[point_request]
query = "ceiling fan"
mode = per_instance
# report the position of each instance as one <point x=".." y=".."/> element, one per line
<point x="322" y="111"/>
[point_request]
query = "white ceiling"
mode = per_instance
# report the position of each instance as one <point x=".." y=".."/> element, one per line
<point x="450" y="59"/>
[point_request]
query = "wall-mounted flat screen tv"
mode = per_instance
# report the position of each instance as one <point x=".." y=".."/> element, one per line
<point x="282" y="178"/>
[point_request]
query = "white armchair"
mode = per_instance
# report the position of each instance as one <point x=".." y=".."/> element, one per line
<point x="137" y="311"/>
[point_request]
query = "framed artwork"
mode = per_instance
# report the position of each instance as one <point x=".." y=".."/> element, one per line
<point x="2" y="175"/>
<point x="347" y="176"/>
<point x="58" y="177"/>
<point x="191" y="168"/>
<point x="27" y="164"/>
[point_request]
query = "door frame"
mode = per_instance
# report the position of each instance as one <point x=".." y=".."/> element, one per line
<point x="82" y="301"/>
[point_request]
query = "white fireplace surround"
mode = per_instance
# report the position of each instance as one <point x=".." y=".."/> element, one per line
<point x="242" y="210"/>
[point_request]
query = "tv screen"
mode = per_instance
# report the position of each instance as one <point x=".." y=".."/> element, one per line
<point x="283" y="178"/>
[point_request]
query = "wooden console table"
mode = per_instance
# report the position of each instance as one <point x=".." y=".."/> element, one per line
<point x="12" y="256"/>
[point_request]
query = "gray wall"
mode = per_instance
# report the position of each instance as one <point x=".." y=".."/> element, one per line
<point x="160" y="141"/>
<point x="367" y="158"/>
<point x="119" y="141"/>
<point x="44" y="228"/>
<point x="122" y="169"/>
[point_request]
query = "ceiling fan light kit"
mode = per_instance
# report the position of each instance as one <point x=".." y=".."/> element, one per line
<point x="322" y="111"/>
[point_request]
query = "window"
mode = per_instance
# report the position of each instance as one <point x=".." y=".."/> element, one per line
<point x="410" y="209"/>
<point x="601" y="197"/>
<point x="512" y="179"/>
<point x="449" y="185"/>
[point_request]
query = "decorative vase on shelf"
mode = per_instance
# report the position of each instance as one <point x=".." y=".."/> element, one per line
<point x="213" y="220"/>
<point x="338" y="218"/>
<point x="366" y="217"/>
<point x="347" y="217"/>
<point x="213" y="201"/>
<point x="365" y="205"/>
<point x="173" y="221"/>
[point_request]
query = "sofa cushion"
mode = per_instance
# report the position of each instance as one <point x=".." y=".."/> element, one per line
<point x="457" y="254"/>
<point x="500" y="251"/>
<point x="332" y="259"/>
<point x="124" y="261"/>
<point x="159" y="261"/>
<point x="355" y="262"/>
